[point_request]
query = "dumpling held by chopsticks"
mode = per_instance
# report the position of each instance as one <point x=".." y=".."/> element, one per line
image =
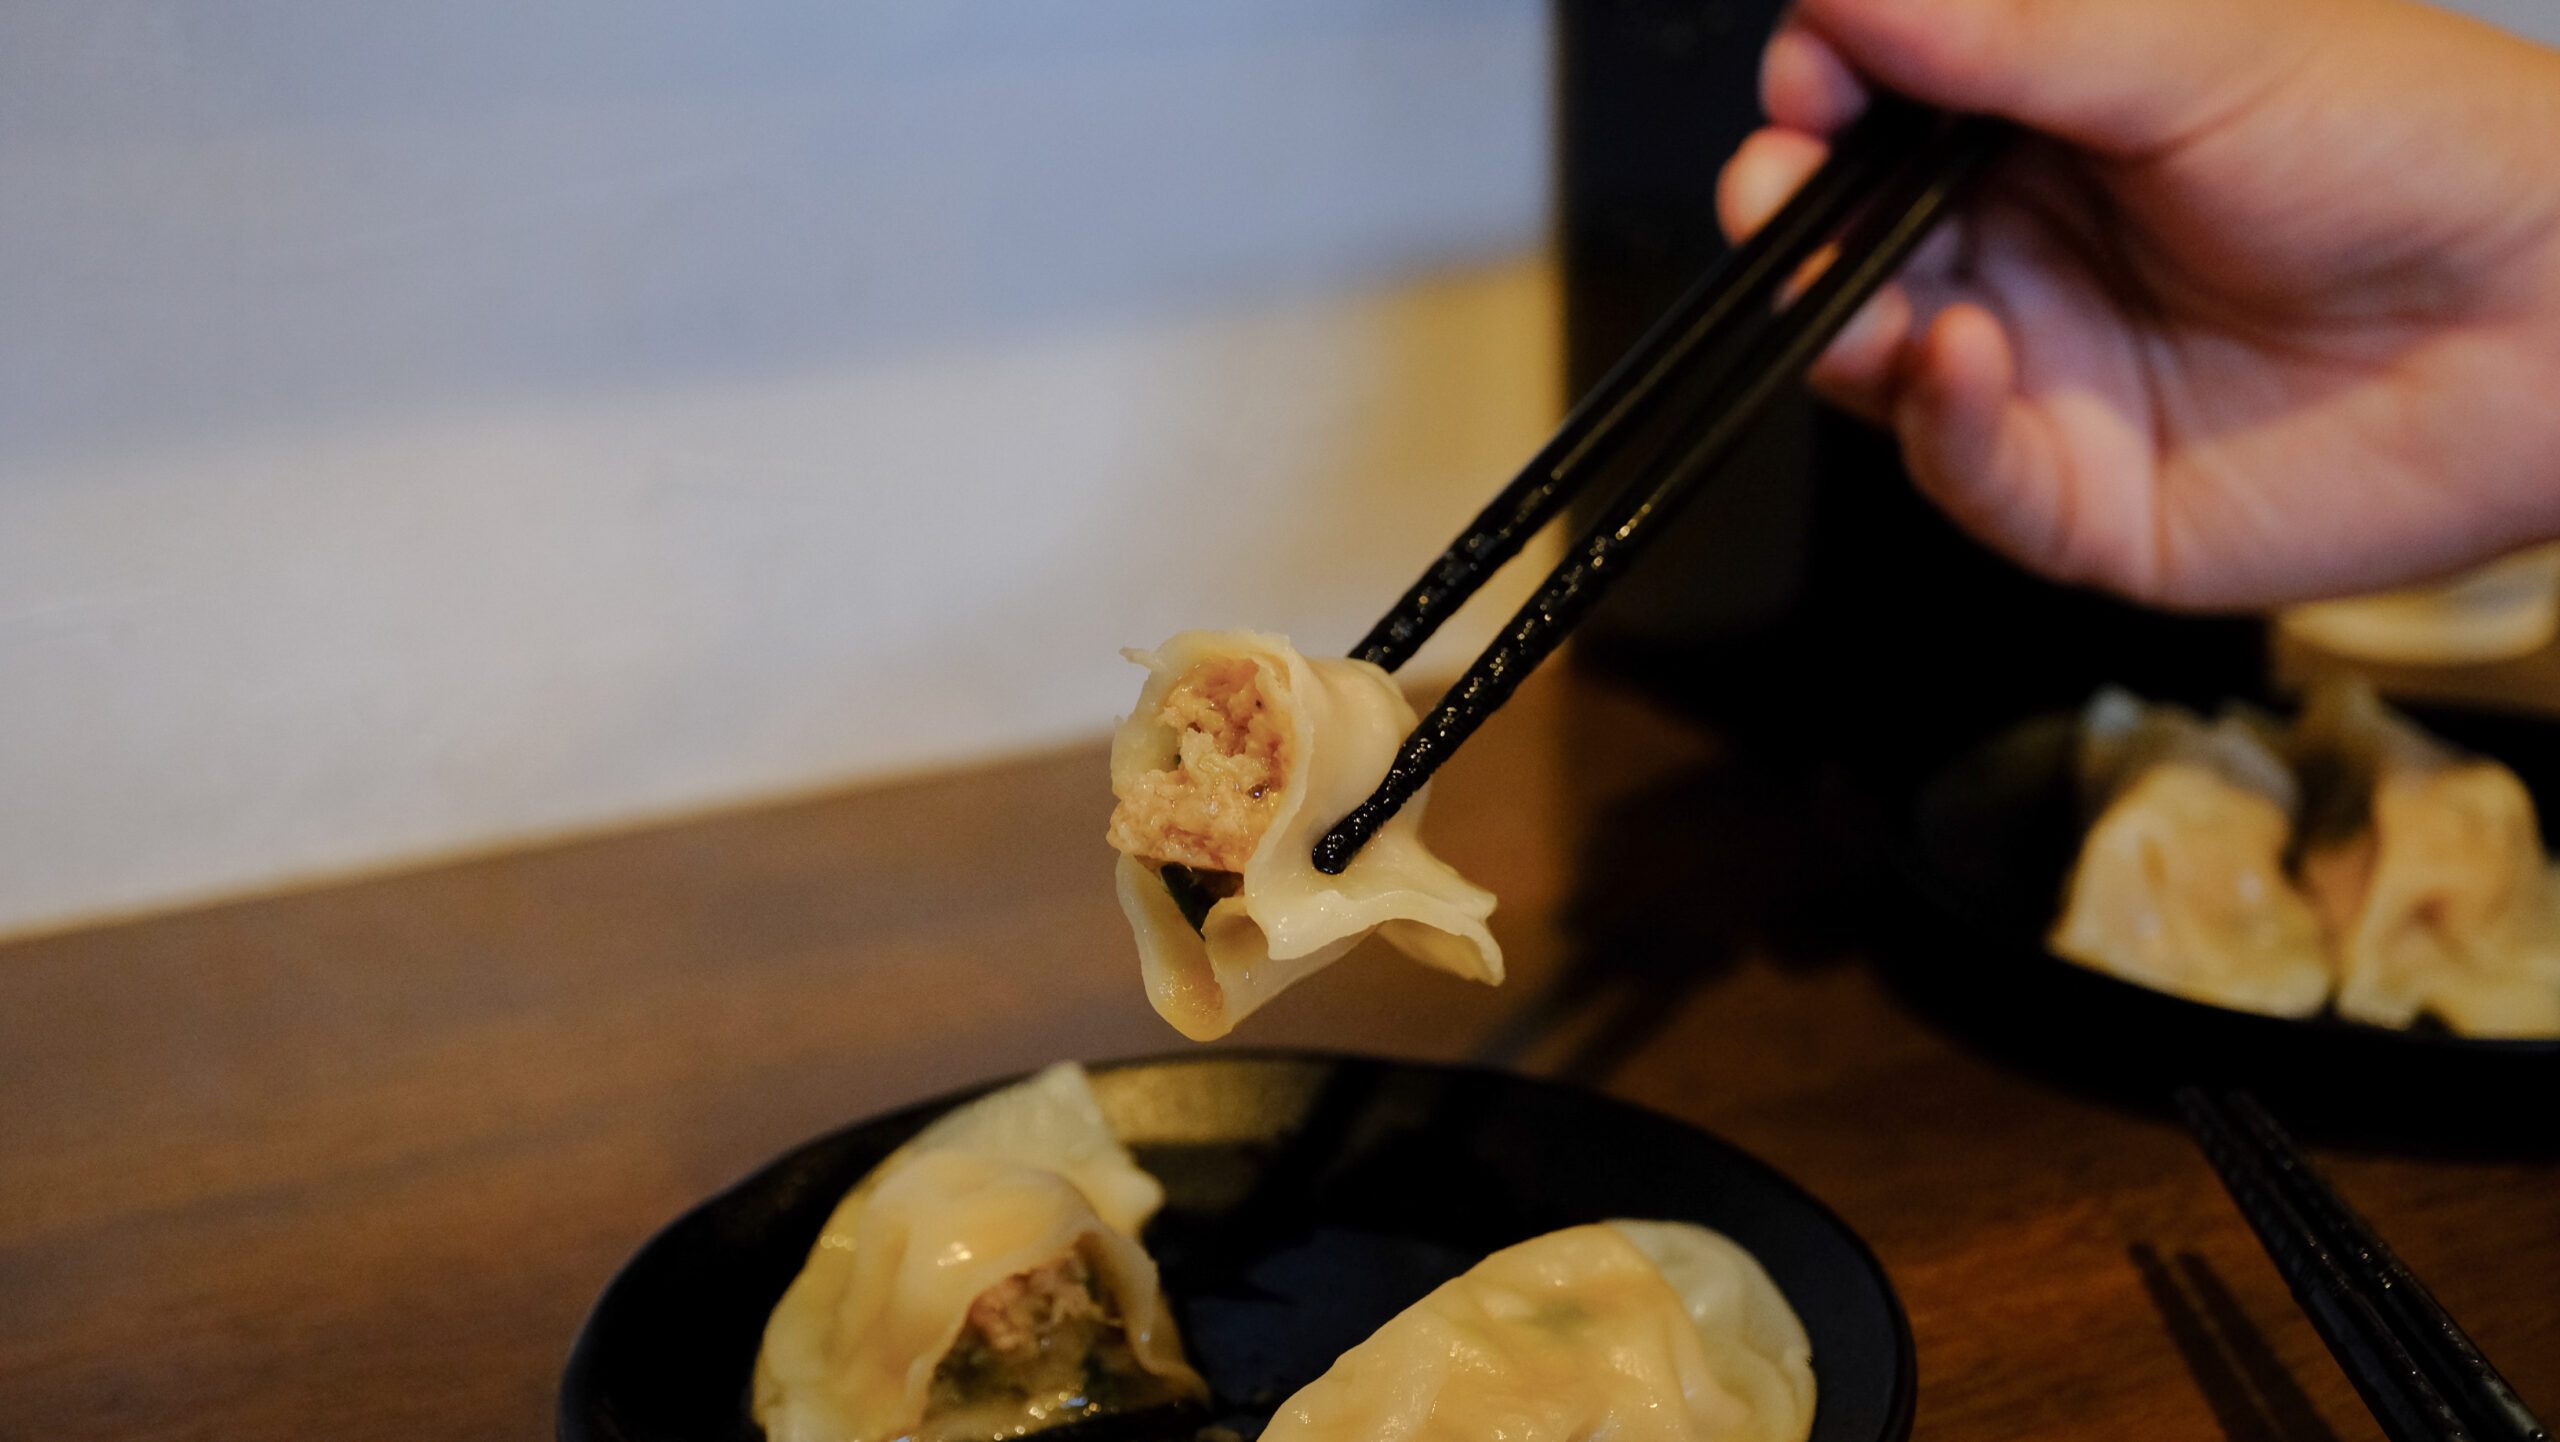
<point x="1239" y="754"/>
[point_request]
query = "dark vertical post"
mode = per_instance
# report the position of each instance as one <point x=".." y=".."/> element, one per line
<point x="1809" y="599"/>
<point x="1652" y="96"/>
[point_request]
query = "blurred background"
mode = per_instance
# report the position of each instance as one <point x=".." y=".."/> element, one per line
<point x="432" y="427"/>
<point x="425" y="429"/>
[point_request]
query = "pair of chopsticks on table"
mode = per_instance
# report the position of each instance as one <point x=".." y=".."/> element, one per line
<point x="2415" y="1367"/>
<point x="1692" y="386"/>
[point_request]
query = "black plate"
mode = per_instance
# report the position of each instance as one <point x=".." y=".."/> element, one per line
<point x="1308" y="1199"/>
<point x="1991" y="841"/>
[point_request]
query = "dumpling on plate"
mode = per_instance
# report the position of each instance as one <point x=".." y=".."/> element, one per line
<point x="1632" y="1331"/>
<point x="982" y="1282"/>
<point x="2181" y="882"/>
<point x="2428" y="872"/>
<point x="1241" y="753"/>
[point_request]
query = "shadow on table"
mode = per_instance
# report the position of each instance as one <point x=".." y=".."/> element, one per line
<point x="1677" y="881"/>
<point x="2251" y="1393"/>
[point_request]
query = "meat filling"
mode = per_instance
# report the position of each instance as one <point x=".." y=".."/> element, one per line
<point x="1210" y="810"/>
<point x="1047" y="1333"/>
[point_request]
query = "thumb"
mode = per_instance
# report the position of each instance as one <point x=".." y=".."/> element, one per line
<point x="2117" y="78"/>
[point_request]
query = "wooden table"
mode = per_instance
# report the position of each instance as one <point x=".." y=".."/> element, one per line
<point x="353" y="1163"/>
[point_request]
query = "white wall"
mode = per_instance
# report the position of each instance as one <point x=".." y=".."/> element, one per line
<point x="2536" y="19"/>
<point x="427" y="426"/>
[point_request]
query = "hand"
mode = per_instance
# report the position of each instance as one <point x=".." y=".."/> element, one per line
<point x="2268" y="309"/>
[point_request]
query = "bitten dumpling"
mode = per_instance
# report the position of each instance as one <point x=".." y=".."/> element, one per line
<point x="2181" y="885"/>
<point x="1632" y="1331"/>
<point x="2428" y="871"/>
<point x="983" y="1282"/>
<point x="1240" y="754"/>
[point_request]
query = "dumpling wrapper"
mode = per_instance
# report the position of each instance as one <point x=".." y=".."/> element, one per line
<point x="2122" y="736"/>
<point x="1340" y="723"/>
<point x="2434" y="887"/>
<point x="2181" y="885"/>
<point x="1632" y="1331"/>
<point x="1014" y="1182"/>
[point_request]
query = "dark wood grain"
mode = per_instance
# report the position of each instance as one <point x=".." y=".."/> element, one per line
<point x="353" y="1162"/>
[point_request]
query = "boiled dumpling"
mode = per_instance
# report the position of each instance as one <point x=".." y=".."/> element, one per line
<point x="982" y="1282"/>
<point x="2181" y="884"/>
<point x="1240" y="754"/>
<point x="1630" y="1331"/>
<point x="2122" y="736"/>
<point x="2428" y="871"/>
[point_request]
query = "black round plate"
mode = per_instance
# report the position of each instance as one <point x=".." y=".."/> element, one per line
<point x="1308" y="1199"/>
<point x="1991" y="841"/>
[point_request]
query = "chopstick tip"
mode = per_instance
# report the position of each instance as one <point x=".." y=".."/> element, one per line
<point x="1335" y="848"/>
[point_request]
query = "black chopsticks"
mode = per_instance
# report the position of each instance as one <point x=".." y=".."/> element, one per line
<point x="1736" y="342"/>
<point x="2415" y="1367"/>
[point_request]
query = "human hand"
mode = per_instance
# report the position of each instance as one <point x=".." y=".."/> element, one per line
<point x="2268" y="309"/>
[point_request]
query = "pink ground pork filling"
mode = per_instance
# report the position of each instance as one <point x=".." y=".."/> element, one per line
<point x="1033" y="1333"/>
<point x="1211" y="809"/>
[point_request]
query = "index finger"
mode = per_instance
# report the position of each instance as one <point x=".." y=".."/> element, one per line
<point x="1805" y="85"/>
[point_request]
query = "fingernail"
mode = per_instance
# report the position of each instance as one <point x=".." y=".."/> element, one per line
<point x="1755" y="187"/>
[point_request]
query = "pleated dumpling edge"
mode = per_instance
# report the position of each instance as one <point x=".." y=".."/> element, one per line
<point x="1634" y="1331"/>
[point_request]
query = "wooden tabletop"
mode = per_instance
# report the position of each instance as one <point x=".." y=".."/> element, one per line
<point x="354" y="1162"/>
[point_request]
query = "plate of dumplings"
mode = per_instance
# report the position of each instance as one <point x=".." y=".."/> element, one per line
<point x="2349" y="908"/>
<point x="1225" y="1246"/>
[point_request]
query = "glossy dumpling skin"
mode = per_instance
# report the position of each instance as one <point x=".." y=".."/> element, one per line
<point x="2429" y="874"/>
<point x="983" y="1281"/>
<point x="2181" y="884"/>
<point x="1630" y="1331"/>
<point x="1239" y="755"/>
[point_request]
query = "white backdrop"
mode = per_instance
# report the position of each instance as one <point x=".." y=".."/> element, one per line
<point x="2537" y="18"/>
<point x="423" y="427"/>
